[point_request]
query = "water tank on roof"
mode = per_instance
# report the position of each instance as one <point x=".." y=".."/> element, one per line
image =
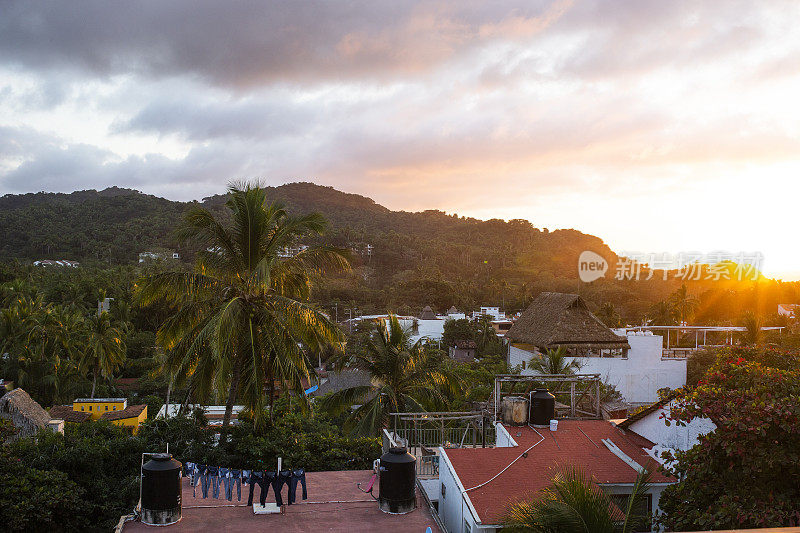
<point x="161" y="490"/>
<point x="398" y="477"/>
<point x="515" y="410"/>
<point x="543" y="408"/>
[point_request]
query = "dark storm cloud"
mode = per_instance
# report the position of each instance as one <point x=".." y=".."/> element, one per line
<point x="249" y="43"/>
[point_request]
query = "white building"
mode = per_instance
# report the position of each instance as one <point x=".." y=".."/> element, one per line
<point x="152" y="256"/>
<point x="651" y="423"/>
<point x="214" y="413"/>
<point x="57" y="262"/>
<point x="431" y="329"/>
<point x="789" y="310"/>
<point x="476" y="485"/>
<point x="634" y="362"/>
<point x="493" y="312"/>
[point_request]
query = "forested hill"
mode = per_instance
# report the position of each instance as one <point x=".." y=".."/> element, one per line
<point x="115" y="224"/>
<point x="423" y="258"/>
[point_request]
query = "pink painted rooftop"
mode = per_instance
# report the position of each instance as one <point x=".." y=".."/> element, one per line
<point x="351" y="511"/>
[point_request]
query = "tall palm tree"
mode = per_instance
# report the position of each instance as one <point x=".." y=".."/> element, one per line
<point x="105" y="349"/>
<point x="575" y="504"/>
<point x="403" y="375"/>
<point x="242" y="318"/>
<point x="554" y="362"/>
<point x="684" y="303"/>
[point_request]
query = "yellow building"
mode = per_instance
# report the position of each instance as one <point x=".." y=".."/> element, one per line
<point x="130" y="417"/>
<point x="115" y="410"/>
<point x="96" y="407"/>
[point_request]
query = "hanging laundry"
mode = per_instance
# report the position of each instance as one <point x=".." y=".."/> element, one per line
<point x="298" y="476"/>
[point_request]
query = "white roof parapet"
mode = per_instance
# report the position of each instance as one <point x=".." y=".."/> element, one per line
<point x="100" y="400"/>
<point x="613" y="448"/>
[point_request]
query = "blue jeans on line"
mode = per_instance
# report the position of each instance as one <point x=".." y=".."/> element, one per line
<point x="235" y="478"/>
<point x="213" y="473"/>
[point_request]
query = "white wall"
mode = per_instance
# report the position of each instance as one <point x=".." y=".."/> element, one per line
<point x="673" y="437"/>
<point x="637" y="377"/>
<point x="503" y="438"/>
<point x="429" y="329"/>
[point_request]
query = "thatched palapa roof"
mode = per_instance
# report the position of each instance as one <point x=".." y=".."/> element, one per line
<point x="556" y="319"/>
<point x="427" y="314"/>
<point x="23" y="411"/>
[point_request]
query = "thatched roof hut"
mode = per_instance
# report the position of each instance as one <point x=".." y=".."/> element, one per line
<point x="556" y="319"/>
<point x="27" y="416"/>
<point x="427" y="314"/>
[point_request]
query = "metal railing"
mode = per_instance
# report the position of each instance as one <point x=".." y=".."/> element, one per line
<point x="677" y="353"/>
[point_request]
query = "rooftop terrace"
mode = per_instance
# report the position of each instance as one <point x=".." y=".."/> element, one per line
<point x="334" y="504"/>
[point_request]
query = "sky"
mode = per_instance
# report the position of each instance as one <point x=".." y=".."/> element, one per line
<point x="661" y="127"/>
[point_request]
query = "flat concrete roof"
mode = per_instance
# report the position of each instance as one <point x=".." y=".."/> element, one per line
<point x="351" y="511"/>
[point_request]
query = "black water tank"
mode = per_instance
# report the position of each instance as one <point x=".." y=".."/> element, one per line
<point x="161" y="490"/>
<point x="398" y="476"/>
<point x="543" y="408"/>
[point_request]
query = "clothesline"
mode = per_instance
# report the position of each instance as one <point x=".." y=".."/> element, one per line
<point x="214" y="478"/>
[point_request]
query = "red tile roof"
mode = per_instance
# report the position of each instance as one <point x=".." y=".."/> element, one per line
<point x="67" y="414"/>
<point x="131" y="411"/>
<point x="577" y="442"/>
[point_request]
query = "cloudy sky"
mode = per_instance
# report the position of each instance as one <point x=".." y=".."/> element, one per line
<point x="660" y="126"/>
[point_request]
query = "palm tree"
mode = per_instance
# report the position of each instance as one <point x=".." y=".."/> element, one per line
<point x="683" y="303"/>
<point x="608" y="315"/>
<point x="752" y="324"/>
<point x="575" y="504"/>
<point x="242" y="317"/>
<point x="403" y="376"/>
<point x="662" y="314"/>
<point x="554" y="362"/>
<point x="105" y="349"/>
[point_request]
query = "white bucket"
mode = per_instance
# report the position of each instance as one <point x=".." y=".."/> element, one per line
<point x="554" y="425"/>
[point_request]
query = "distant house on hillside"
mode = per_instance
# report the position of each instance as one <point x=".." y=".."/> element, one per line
<point x="291" y="251"/>
<point x="152" y="256"/>
<point x="463" y="350"/>
<point x="790" y="310"/>
<point x="634" y="363"/>
<point x="24" y="413"/>
<point x="56" y="263"/>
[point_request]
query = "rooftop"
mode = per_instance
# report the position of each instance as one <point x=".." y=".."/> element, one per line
<point x="67" y="414"/>
<point x="334" y="504"/>
<point x="576" y="442"/>
<point x="129" y="412"/>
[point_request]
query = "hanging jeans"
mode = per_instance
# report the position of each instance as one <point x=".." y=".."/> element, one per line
<point x="256" y="476"/>
<point x="213" y="474"/>
<point x="298" y="475"/>
<point x="235" y="477"/>
<point x="284" y="476"/>
<point x="271" y="478"/>
<point x="205" y="480"/>
<point x="224" y="480"/>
